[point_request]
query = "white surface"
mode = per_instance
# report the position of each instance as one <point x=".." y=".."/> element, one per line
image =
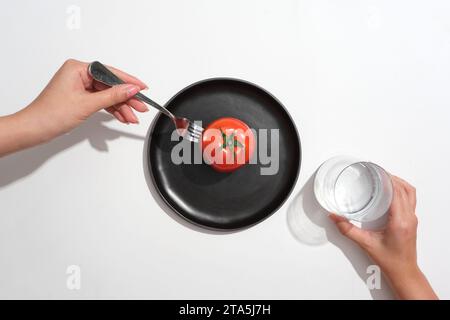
<point x="365" y="78"/>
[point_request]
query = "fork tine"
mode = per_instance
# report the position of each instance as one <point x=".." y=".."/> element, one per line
<point x="188" y="137"/>
<point x="196" y="128"/>
<point x="194" y="131"/>
<point x="192" y="137"/>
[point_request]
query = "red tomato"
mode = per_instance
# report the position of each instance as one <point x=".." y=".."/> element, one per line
<point x="227" y="144"/>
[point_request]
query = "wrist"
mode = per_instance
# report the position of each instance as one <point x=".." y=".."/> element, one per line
<point x="409" y="283"/>
<point x="402" y="272"/>
<point x="26" y="131"/>
<point x="12" y="136"/>
<point x="32" y="126"/>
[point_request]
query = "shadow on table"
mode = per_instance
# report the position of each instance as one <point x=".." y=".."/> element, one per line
<point x="21" y="164"/>
<point x="309" y="224"/>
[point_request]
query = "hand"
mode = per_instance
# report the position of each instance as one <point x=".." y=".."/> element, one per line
<point x="394" y="247"/>
<point x="72" y="96"/>
<point x="69" y="99"/>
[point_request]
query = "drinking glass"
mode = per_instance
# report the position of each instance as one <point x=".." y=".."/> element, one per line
<point x="358" y="190"/>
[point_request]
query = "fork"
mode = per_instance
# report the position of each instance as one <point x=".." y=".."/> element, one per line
<point x="185" y="128"/>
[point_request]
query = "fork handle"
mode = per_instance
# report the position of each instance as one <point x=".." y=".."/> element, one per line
<point x="102" y="74"/>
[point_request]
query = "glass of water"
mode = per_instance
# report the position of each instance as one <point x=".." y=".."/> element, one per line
<point x="358" y="190"/>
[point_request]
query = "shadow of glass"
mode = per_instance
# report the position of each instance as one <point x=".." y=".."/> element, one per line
<point x="19" y="165"/>
<point x="308" y="222"/>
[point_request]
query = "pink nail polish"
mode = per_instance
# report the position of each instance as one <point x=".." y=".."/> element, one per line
<point x="132" y="90"/>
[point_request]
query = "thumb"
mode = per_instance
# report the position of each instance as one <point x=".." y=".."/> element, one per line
<point x="112" y="96"/>
<point x="349" y="230"/>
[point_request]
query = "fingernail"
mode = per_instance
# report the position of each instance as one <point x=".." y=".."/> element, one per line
<point x="132" y="90"/>
<point x="146" y="109"/>
<point x="135" y="119"/>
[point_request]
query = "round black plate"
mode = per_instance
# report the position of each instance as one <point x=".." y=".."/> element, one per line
<point x="224" y="200"/>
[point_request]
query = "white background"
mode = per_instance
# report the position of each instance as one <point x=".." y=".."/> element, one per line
<point x="365" y="78"/>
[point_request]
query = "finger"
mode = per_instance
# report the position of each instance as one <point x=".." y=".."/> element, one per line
<point x="127" y="78"/>
<point x="81" y="69"/>
<point x="409" y="193"/>
<point x="360" y="236"/>
<point x="413" y="199"/>
<point x="397" y="180"/>
<point x="119" y="116"/>
<point x="134" y="103"/>
<point x="119" y="110"/>
<point x="100" y="86"/>
<point x="112" y="96"/>
<point x="404" y="183"/>
<point x="137" y="105"/>
<point x="116" y="114"/>
<point x="398" y="209"/>
<point x="399" y="187"/>
<point x="127" y="113"/>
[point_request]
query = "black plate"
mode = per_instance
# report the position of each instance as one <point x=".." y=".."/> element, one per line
<point x="224" y="200"/>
